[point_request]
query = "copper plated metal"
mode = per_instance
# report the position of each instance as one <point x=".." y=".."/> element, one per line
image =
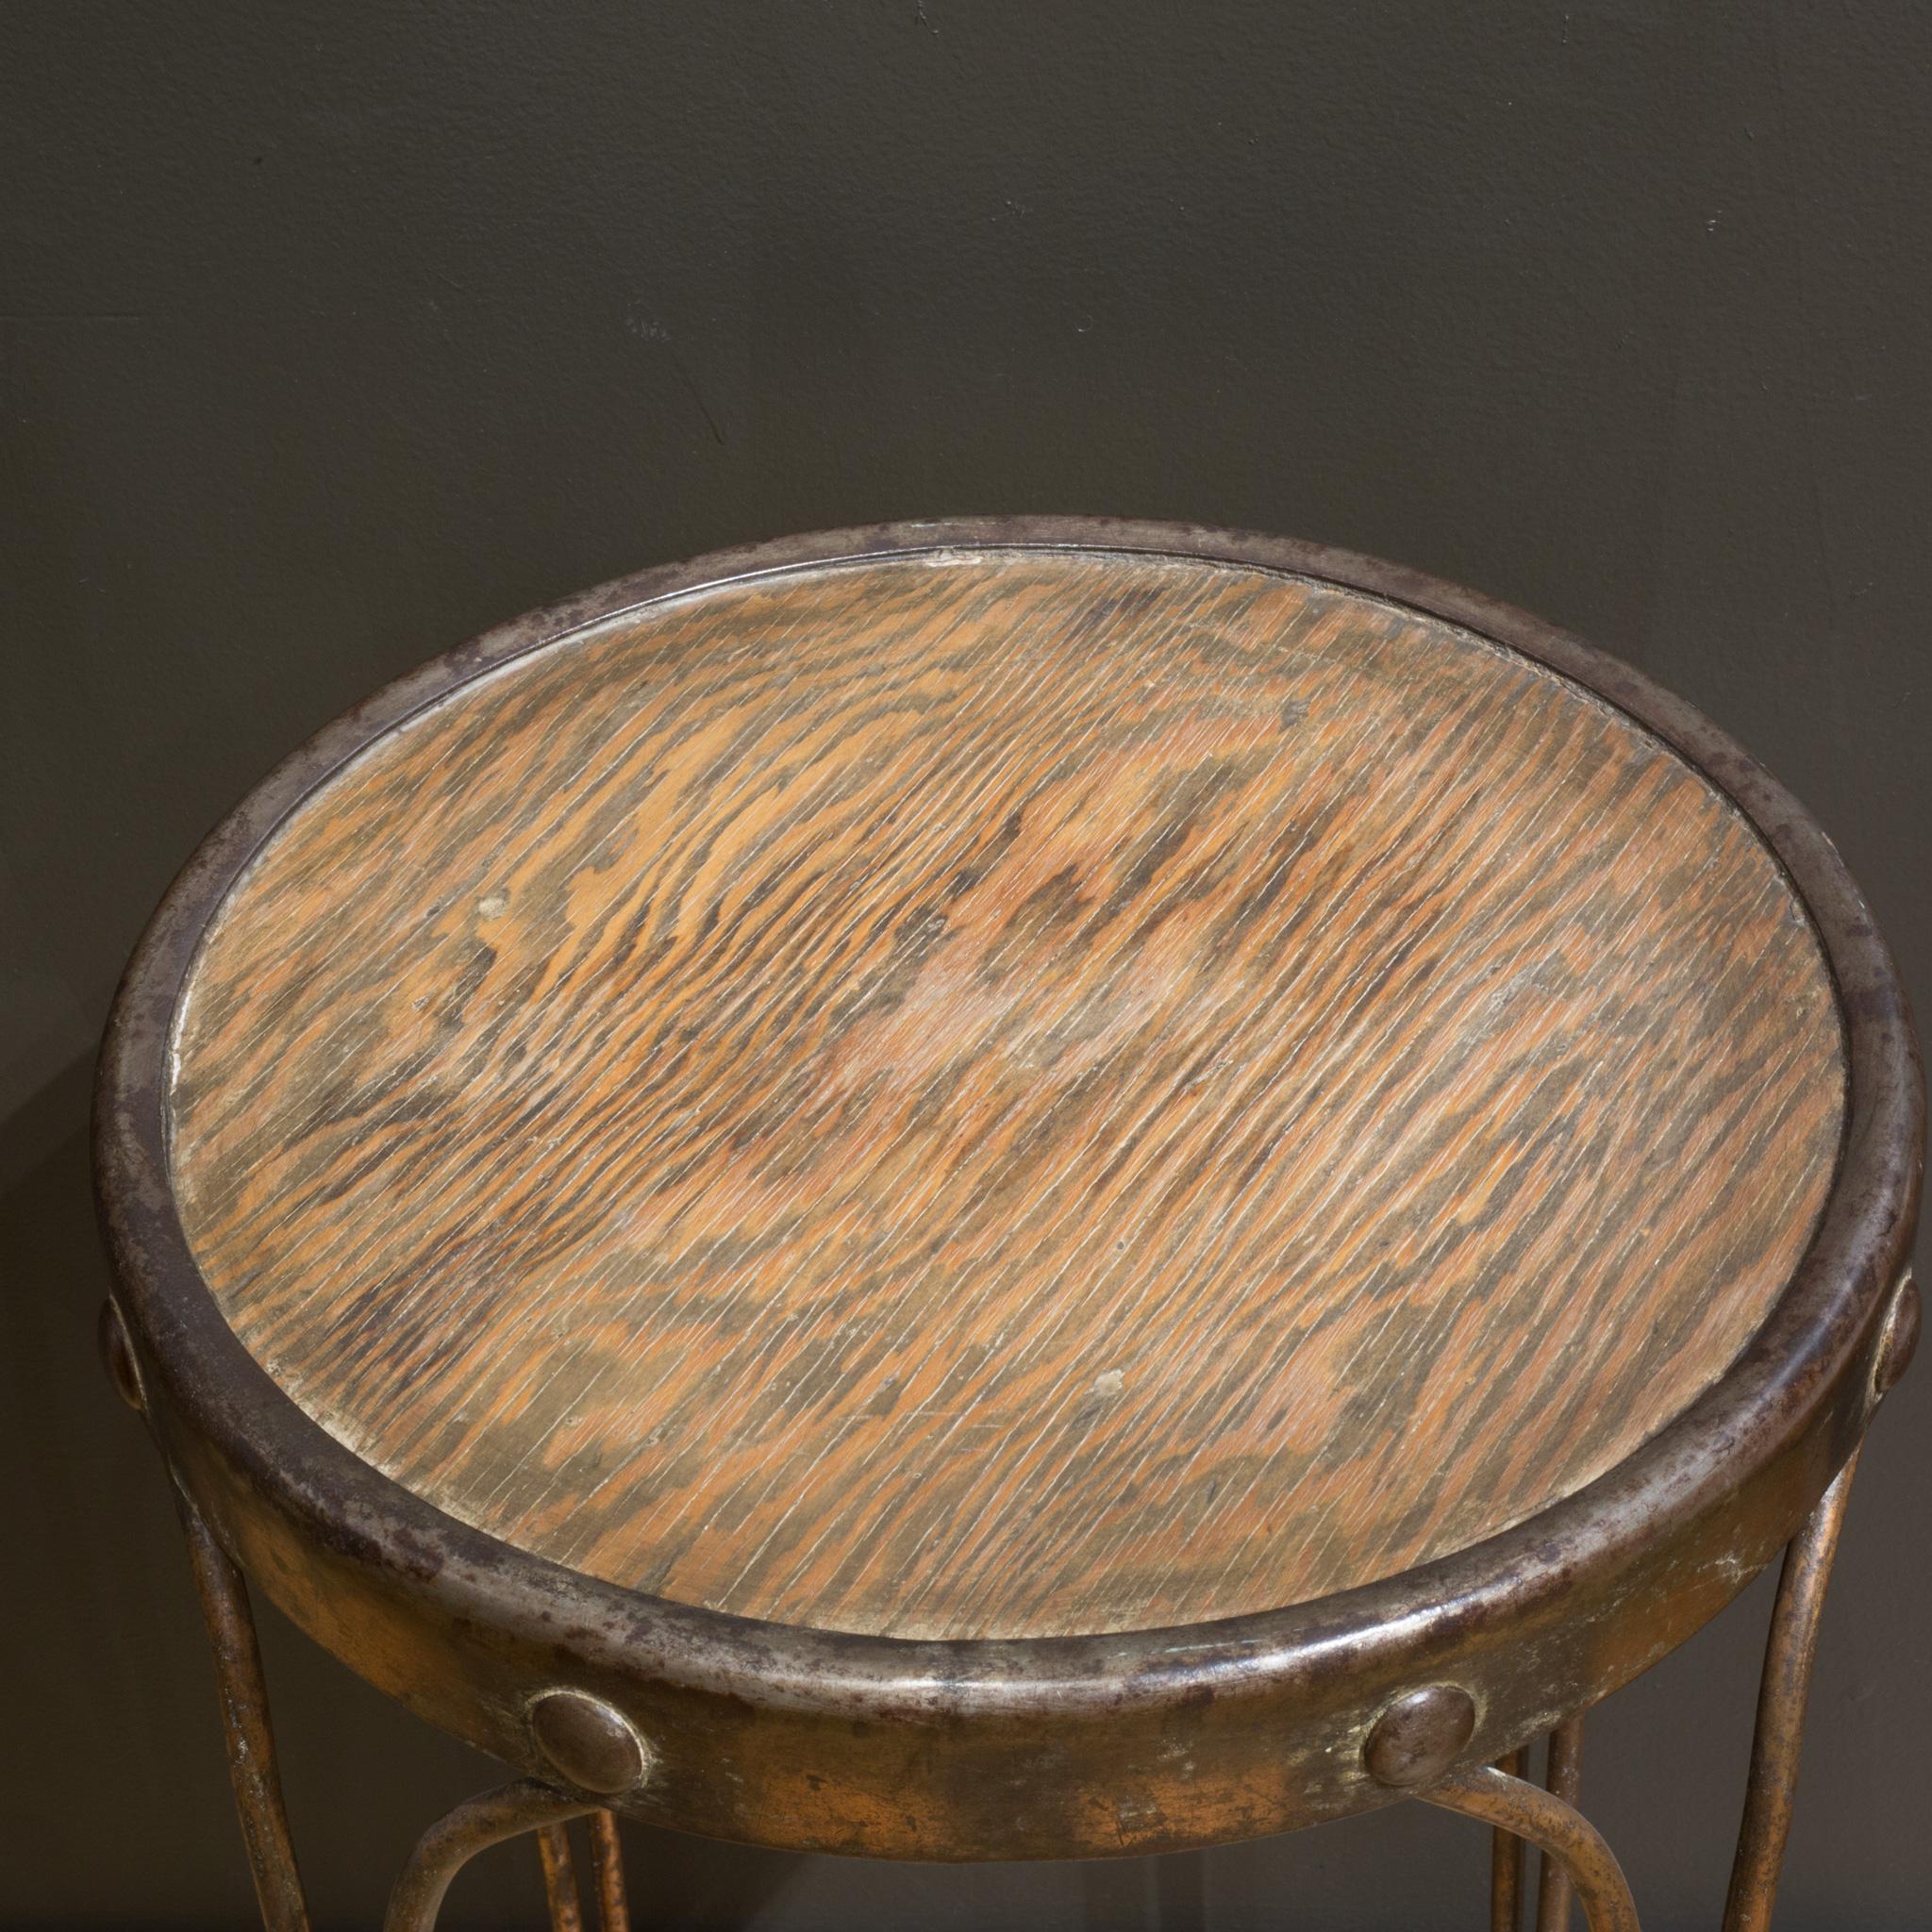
<point x="1788" y="1655"/>
<point x="559" y="1879"/>
<point x="1513" y="1804"/>
<point x="1563" y="1775"/>
<point x="1506" y="1862"/>
<point x="606" y="1874"/>
<point x="474" y="1827"/>
<point x="250" y="1741"/>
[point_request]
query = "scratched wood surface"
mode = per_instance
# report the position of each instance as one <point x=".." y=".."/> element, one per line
<point x="1006" y="1095"/>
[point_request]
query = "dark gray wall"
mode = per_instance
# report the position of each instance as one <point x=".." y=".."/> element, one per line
<point x="335" y="332"/>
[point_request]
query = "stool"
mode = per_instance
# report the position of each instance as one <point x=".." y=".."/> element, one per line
<point x="1011" y="1188"/>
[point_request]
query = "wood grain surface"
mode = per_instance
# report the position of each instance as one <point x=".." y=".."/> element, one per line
<point x="1006" y="1093"/>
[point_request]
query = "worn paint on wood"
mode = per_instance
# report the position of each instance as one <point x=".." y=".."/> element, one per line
<point x="1006" y="1093"/>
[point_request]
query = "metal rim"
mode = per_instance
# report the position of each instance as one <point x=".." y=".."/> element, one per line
<point x="1756" y="1409"/>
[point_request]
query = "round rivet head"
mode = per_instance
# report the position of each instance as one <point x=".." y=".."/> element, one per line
<point x="1899" y="1341"/>
<point x="1419" y="1736"/>
<point x="587" y="1743"/>
<point x="117" y="1355"/>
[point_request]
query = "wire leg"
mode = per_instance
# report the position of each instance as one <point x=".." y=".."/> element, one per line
<point x="1505" y="1863"/>
<point x="1480" y="1791"/>
<point x="454" y="1839"/>
<point x="607" y="1872"/>
<point x="559" y="1880"/>
<point x="250" y="1740"/>
<point x="1789" y="1654"/>
<point x="1565" y="1779"/>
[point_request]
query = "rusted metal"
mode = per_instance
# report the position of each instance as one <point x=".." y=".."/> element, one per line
<point x="799" y="1737"/>
<point x="1421" y="1734"/>
<point x="559" y="1879"/>
<point x="117" y="1356"/>
<point x="1563" y="1776"/>
<point x="587" y="1744"/>
<point x="606" y="1874"/>
<point x="1898" y="1342"/>
<point x="250" y="1741"/>
<point x="1505" y="1863"/>
<point x="473" y="1826"/>
<point x="1789" y="1654"/>
<point x="1561" y="1831"/>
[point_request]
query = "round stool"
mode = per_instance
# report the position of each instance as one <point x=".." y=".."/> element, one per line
<point x="1011" y="1188"/>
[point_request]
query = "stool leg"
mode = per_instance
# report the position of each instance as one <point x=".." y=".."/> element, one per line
<point x="607" y="1872"/>
<point x="559" y="1880"/>
<point x="1548" y="1821"/>
<point x="442" y="1850"/>
<point x="1789" y="1654"/>
<point x="250" y="1740"/>
<point x="473" y="1826"/>
<point x="1505" y="1864"/>
<point x="1564" y="1776"/>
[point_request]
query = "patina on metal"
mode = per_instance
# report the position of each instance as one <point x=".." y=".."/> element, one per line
<point x="1145" y="1740"/>
<point x="1505" y="1863"/>
<point x="1548" y="1821"/>
<point x="1898" y="1342"/>
<point x="245" y="1729"/>
<point x="561" y="1892"/>
<point x="1563" y="1776"/>
<point x="1419" y="1736"/>
<point x="474" y="1827"/>
<point x="606" y="1874"/>
<point x="117" y="1356"/>
<point x="1790" y="1653"/>
<point x="587" y="1744"/>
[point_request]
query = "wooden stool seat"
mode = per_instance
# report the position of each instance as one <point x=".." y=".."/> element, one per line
<point x="1006" y="1095"/>
<point x="1003" y="1183"/>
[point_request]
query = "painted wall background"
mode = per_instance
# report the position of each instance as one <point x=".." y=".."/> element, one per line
<point x="331" y="333"/>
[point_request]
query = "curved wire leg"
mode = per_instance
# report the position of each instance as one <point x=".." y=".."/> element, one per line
<point x="245" y="1730"/>
<point x="1480" y="1791"/>
<point x="454" y="1839"/>
<point x="1781" y="1692"/>
<point x="1565" y="1779"/>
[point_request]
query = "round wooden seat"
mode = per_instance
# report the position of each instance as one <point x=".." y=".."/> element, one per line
<point x="1006" y="1095"/>
<point x="963" y="1106"/>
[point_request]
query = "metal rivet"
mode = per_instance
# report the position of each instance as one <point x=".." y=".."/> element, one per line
<point x="1899" y="1338"/>
<point x="1419" y="1736"/>
<point x="117" y="1356"/>
<point x="588" y="1742"/>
